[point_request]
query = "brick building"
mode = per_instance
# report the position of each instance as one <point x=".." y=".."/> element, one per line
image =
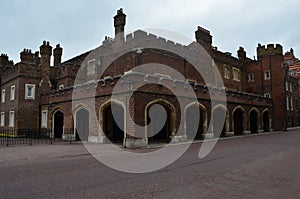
<point x="39" y="97"/>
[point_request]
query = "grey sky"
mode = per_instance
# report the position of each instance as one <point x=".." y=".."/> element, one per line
<point x="81" y="25"/>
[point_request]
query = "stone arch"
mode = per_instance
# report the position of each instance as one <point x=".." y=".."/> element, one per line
<point x="254" y="118"/>
<point x="169" y="128"/>
<point x="266" y="120"/>
<point x="218" y="111"/>
<point x="109" y="124"/>
<point x="81" y="122"/>
<point x="239" y="120"/>
<point x="58" y="123"/>
<point x="195" y="127"/>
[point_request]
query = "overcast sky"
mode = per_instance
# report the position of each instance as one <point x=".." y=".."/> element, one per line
<point x="81" y="25"/>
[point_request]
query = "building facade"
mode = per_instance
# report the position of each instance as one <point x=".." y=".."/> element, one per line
<point x="39" y="97"/>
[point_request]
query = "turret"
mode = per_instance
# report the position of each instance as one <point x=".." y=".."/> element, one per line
<point x="57" y="52"/>
<point x="269" y="50"/>
<point x="119" y="24"/>
<point x="204" y="38"/>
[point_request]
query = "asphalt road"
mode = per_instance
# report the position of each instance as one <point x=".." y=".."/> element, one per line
<point x="263" y="166"/>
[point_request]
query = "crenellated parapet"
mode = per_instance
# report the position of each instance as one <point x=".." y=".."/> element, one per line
<point x="270" y="49"/>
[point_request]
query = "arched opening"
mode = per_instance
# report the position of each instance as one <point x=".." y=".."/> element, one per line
<point x="113" y="124"/>
<point x="196" y="118"/>
<point x="266" y="121"/>
<point x="154" y="132"/>
<point x="238" y="121"/>
<point x="220" y="119"/>
<point x="58" y="125"/>
<point x="253" y="122"/>
<point x="82" y="124"/>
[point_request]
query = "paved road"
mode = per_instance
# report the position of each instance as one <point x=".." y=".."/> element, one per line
<point x="264" y="166"/>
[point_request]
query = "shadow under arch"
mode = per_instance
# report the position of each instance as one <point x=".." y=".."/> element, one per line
<point x="81" y="124"/>
<point x="219" y="113"/>
<point x="195" y="123"/>
<point x="254" y="118"/>
<point x="112" y="118"/>
<point x="239" y="121"/>
<point x="168" y="130"/>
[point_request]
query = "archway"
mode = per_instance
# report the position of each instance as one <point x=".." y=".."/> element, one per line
<point x="220" y="113"/>
<point x="253" y="121"/>
<point x="58" y="124"/>
<point x="239" y="118"/>
<point x="82" y="124"/>
<point x="196" y="121"/>
<point x="266" y="121"/>
<point x="163" y="135"/>
<point x="113" y="116"/>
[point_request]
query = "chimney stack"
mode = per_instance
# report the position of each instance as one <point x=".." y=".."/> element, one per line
<point x="27" y="56"/>
<point x="119" y="24"/>
<point x="241" y="53"/>
<point x="204" y="38"/>
<point x="57" y="52"/>
<point x="46" y="52"/>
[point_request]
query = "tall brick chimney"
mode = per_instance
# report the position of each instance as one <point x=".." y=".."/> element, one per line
<point x="46" y="52"/>
<point x="119" y="24"/>
<point x="241" y="53"/>
<point x="57" y="52"/>
<point x="204" y="38"/>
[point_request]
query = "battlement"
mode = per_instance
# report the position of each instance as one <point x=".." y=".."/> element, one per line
<point x="271" y="49"/>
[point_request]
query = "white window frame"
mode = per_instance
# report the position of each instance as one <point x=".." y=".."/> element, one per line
<point x="286" y="86"/>
<point x="292" y="106"/>
<point x="291" y="87"/>
<point x="226" y="72"/>
<point x="12" y="92"/>
<point x="3" y="96"/>
<point x="251" y="77"/>
<point x="2" y="122"/>
<point x="267" y="77"/>
<point x="287" y="103"/>
<point x="11" y="118"/>
<point x="237" y="72"/>
<point x="90" y="67"/>
<point x="44" y="118"/>
<point x="32" y="96"/>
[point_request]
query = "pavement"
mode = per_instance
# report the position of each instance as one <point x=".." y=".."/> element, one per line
<point x="260" y="166"/>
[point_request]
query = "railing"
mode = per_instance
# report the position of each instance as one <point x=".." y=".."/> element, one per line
<point x="24" y="137"/>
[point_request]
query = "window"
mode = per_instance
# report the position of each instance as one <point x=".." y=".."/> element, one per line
<point x="236" y="74"/>
<point x="3" y="96"/>
<point x="286" y="86"/>
<point x="2" y="123"/>
<point x="292" y="106"/>
<point x="287" y="103"/>
<point x="251" y="77"/>
<point x="11" y="119"/>
<point x="91" y="67"/>
<point x="44" y="118"/>
<point x="12" y="92"/>
<point x="29" y="91"/>
<point x="267" y="75"/>
<point x="291" y="87"/>
<point x="267" y="95"/>
<point x="226" y="72"/>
